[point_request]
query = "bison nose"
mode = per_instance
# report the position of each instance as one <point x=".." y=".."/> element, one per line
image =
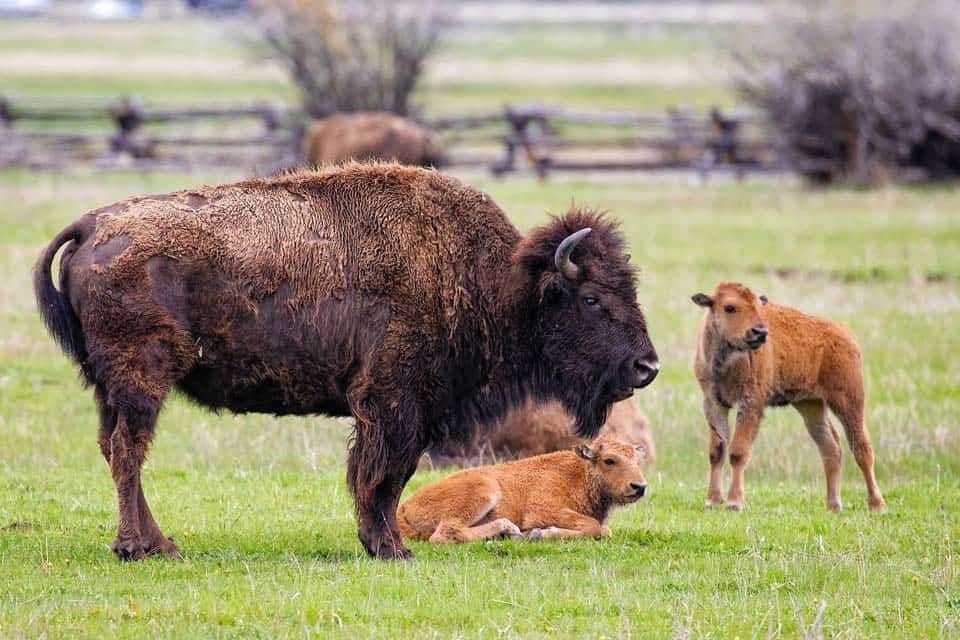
<point x="760" y="331"/>
<point x="639" y="488"/>
<point x="644" y="372"/>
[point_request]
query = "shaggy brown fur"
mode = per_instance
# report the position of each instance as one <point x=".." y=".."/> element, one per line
<point x="397" y="295"/>
<point x="537" y="428"/>
<point x="567" y="494"/>
<point x="373" y="135"/>
<point x="752" y="354"/>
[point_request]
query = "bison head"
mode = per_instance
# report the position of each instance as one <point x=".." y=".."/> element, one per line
<point x="615" y="466"/>
<point x="734" y="314"/>
<point x="582" y="302"/>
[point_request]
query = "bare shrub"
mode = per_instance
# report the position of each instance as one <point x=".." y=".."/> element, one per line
<point x="859" y="89"/>
<point x="354" y="55"/>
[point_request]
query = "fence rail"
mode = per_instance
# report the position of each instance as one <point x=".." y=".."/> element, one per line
<point x="266" y="137"/>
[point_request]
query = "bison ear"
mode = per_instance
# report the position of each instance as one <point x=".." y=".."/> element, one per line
<point x="763" y="300"/>
<point x="585" y="452"/>
<point x="702" y="299"/>
<point x="642" y="450"/>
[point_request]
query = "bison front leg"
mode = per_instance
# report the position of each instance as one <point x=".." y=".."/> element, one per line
<point x="717" y="419"/>
<point x="748" y="422"/>
<point x="381" y="462"/>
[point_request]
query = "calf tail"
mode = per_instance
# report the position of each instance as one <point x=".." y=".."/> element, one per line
<point x="54" y="306"/>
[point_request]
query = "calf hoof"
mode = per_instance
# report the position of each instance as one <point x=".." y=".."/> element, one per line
<point x="877" y="504"/>
<point x="835" y="505"/>
<point x="734" y="506"/>
<point x="605" y="531"/>
<point x="534" y="535"/>
<point x="509" y="529"/>
<point x="128" y="549"/>
<point x="711" y="503"/>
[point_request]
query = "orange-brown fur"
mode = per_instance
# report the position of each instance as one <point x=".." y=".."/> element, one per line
<point x="370" y="135"/>
<point x="535" y="428"/>
<point x="565" y="494"/>
<point x="810" y="363"/>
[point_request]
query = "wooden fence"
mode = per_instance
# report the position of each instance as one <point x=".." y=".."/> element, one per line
<point x="263" y="138"/>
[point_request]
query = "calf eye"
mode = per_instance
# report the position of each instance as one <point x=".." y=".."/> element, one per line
<point x="608" y="461"/>
<point x="590" y="301"/>
<point x="729" y="308"/>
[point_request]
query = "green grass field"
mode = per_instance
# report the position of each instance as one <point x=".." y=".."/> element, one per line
<point x="260" y="509"/>
<point x="259" y="505"/>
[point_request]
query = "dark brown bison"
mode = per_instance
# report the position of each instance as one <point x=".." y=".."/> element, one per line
<point x="535" y="428"/>
<point x="371" y="135"/>
<point x="397" y="295"/>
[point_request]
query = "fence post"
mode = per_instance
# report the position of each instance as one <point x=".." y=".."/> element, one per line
<point x="128" y="116"/>
<point x="6" y="112"/>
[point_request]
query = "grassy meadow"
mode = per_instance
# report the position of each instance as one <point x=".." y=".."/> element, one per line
<point x="259" y="505"/>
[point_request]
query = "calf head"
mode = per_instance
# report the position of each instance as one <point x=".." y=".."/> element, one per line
<point x="616" y="467"/>
<point x="593" y="344"/>
<point x="734" y="315"/>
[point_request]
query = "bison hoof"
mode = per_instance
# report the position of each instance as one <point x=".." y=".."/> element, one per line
<point x="128" y="549"/>
<point x="388" y="551"/>
<point x="711" y="503"/>
<point x="166" y="546"/>
<point x="877" y="504"/>
<point x="835" y="505"/>
<point x="534" y="535"/>
<point x="734" y="506"/>
<point x="605" y="531"/>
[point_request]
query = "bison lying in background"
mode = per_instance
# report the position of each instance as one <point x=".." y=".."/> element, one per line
<point x="534" y="428"/>
<point x="567" y="494"/>
<point x="373" y="135"/>
<point x="397" y="295"/>
<point x="752" y="354"/>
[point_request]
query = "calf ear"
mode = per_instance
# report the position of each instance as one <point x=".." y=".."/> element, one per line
<point x="702" y="299"/>
<point x="642" y="450"/>
<point x="763" y="300"/>
<point x="585" y="452"/>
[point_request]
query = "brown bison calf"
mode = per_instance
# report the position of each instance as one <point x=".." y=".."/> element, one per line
<point x="752" y="354"/>
<point x="535" y="428"/>
<point x="371" y="135"/>
<point x="567" y="494"/>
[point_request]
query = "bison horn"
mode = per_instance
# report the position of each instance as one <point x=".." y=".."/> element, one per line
<point x="562" y="257"/>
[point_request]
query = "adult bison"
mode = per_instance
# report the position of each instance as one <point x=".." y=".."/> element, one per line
<point x="371" y="135"/>
<point x="393" y="294"/>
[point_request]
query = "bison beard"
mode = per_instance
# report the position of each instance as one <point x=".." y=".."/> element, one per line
<point x="396" y="295"/>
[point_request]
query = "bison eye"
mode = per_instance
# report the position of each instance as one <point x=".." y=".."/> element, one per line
<point x="729" y="308"/>
<point x="608" y="461"/>
<point x="590" y="301"/>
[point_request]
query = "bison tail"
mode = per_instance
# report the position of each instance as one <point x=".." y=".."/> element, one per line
<point x="58" y="315"/>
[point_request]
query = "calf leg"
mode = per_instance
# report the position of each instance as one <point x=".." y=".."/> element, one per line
<point x="453" y="531"/>
<point x="849" y="409"/>
<point x="748" y="422"/>
<point x="567" y="523"/>
<point x="818" y="424"/>
<point x="719" y="434"/>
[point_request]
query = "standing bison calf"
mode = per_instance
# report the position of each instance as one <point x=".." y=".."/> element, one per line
<point x="567" y="494"/>
<point x="752" y="354"/>
<point x="396" y="295"/>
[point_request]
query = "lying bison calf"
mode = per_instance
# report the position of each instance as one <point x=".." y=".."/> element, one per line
<point x="567" y="494"/>
<point x="752" y="354"/>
